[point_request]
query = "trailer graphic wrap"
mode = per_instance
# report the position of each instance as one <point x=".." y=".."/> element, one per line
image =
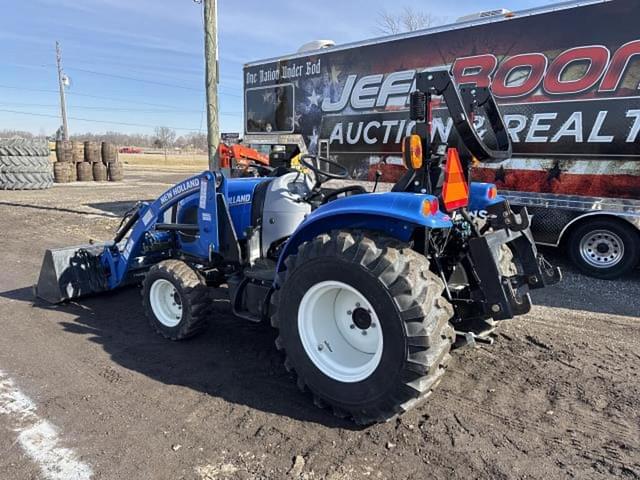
<point x="568" y="84"/>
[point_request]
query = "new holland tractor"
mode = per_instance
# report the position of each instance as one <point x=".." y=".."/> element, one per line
<point x="367" y="290"/>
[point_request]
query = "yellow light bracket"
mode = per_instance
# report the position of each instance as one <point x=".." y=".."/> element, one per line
<point x="412" y="151"/>
<point x="455" y="191"/>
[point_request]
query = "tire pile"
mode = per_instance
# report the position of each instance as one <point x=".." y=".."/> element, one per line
<point x="24" y="165"/>
<point x="86" y="162"/>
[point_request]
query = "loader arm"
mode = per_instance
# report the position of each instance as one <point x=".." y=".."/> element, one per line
<point x="77" y="271"/>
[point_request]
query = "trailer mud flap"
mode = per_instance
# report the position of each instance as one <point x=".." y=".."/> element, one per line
<point x="71" y="272"/>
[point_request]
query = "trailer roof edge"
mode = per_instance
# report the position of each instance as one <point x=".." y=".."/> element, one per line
<point x="442" y="28"/>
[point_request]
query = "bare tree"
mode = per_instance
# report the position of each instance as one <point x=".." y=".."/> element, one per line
<point x="407" y="20"/>
<point x="165" y="138"/>
<point x="197" y="140"/>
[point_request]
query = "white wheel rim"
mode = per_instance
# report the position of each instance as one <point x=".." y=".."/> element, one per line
<point x="602" y="249"/>
<point x="165" y="302"/>
<point x="340" y="331"/>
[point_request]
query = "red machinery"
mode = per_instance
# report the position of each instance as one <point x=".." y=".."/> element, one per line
<point x="243" y="161"/>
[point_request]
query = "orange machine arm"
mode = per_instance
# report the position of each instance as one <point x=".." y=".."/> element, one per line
<point x="242" y="155"/>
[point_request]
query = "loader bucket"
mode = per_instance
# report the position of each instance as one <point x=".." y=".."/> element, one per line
<point x="71" y="272"/>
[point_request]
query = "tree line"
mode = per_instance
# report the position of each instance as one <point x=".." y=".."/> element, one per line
<point x="163" y="137"/>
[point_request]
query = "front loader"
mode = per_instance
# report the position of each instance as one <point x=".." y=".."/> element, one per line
<point x="368" y="291"/>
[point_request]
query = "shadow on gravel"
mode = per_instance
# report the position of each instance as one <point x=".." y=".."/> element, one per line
<point x="115" y="208"/>
<point x="577" y="291"/>
<point x="52" y="208"/>
<point x="24" y="294"/>
<point x="235" y="360"/>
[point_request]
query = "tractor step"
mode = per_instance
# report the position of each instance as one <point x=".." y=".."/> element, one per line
<point x="263" y="270"/>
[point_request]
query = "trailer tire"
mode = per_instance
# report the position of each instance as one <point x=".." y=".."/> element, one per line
<point x="604" y="248"/>
<point x="172" y="287"/>
<point x="398" y="294"/>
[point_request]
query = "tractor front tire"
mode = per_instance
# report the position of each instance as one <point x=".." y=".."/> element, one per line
<point x="363" y="324"/>
<point x="176" y="300"/>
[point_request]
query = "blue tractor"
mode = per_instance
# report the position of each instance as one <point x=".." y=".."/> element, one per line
<point x="368" y="291"/>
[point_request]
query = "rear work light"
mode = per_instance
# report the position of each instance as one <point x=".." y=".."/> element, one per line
<point x="412" y="151"/>
<point x="455" y="191"/>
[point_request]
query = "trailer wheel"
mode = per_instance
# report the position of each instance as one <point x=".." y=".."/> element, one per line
<point x="363" y="324"/>
<point x="604" y="248"/>
<point x="176" y="300"/>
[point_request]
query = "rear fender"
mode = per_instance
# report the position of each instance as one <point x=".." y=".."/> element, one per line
<point x="479" y="196"/>
<point x="394" y="214"/>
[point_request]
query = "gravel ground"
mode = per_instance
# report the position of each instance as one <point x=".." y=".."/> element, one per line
<point x="556" y="396"/>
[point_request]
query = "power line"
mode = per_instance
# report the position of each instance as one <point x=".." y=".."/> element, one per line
<point x="96" y="121"/>
<point x="76" y="94"/>
<point x="124" y="77"/>
<point x="152" y="82"/>
<point x="105" y="109"/>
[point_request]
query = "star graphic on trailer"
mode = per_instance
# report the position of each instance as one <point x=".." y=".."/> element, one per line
<point x="314" y="98"/>
<point x="268" y="96"/>
<point x="297" y="118"/>
<point x="313" y="140"/>
<point x="335" y="73"/>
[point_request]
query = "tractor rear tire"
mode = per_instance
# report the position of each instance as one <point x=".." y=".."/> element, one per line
<point x="176" y="300"/>
<point x="363" y="324"/>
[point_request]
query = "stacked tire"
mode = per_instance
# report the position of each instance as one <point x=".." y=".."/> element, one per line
<point x="115" y="169"/>
<point x="24" y="165"/>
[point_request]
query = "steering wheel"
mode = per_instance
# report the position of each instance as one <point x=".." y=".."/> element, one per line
<point x="308" y="161"/>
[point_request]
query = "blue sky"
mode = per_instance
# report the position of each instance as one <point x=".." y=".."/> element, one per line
<point x="157" y="45"/>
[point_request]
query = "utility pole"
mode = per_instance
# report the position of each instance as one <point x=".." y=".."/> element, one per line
<point x="63" y="100"/>
<point x="211" y="62"/>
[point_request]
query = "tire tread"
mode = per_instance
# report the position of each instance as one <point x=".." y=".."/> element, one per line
<point x="197" y="296"/>
<point x="416" y="292"/>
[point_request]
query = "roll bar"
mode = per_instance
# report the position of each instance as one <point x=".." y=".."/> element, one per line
<point x="462" y="103"/>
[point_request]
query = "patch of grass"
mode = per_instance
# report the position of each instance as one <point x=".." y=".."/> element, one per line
<point x="184" y="160"/>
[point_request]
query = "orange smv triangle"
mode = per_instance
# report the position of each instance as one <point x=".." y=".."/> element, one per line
<point x="455" y="191"/>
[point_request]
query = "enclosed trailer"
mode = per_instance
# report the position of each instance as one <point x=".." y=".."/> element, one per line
<point x="567" y="79"/>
